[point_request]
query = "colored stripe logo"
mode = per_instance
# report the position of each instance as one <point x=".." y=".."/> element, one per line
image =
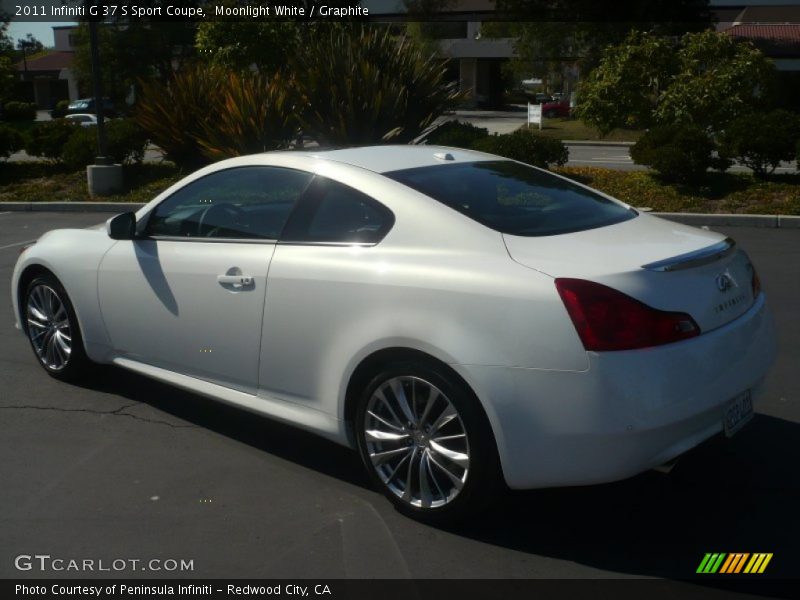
<point x="736" y="562"/>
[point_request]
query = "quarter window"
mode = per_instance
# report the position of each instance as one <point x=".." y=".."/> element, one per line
<point x="335" y="213"/>
<point x="239" y="203"/>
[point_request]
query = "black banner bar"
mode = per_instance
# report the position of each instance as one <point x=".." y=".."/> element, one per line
<point x="403" y="589"/>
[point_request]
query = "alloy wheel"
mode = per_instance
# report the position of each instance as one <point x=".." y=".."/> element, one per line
<point x="416" y="442"/>
<point x="48" y="327"/>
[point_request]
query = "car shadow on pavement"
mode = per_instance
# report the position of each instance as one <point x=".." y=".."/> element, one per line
<point x="737" y="495"/>
<point x="284" y="441"/>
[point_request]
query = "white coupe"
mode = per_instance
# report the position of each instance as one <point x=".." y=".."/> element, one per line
<point x="465" y="321"/>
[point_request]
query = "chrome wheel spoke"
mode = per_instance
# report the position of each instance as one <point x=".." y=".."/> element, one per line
<point x="416" y="441"/>
<point x="461" y="459"/>
<point x="36" y="323"/>
<point x="424" y="484"/>
<point x="387" y="455"/>
<point x="376" y="435"/>
<point x="432" y="396"/>
<point x="61" y="343"/>
<point x="407" y="492"/>
<point x="384" y="421"/>
<point x="456" y="481"/>
<point x="388" y="406"/>
<point x="402" y="401"/>
<point x="432" y="476"/>
<point x="448" y="414"/>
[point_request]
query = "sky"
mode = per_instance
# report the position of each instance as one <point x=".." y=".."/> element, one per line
<point x="41" y="31"/>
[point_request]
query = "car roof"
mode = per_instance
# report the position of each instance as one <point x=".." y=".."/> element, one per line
<point x="382" y="159"/>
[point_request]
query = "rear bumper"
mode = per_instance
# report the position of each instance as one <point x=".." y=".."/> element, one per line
<point x="629" y="412"/>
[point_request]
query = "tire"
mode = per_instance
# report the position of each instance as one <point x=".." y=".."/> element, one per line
<point x="432" y="479"/>
<point x="52" y="328"/>
<point x="551" y="114"/>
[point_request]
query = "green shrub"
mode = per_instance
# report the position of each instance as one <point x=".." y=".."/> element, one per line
<point x="761" y="141"/>
<point x="203" y="114"/>
<point x="80" y="149"/>
<point x="173" y="113"/>
<point x="255" y="113"/>
<point x="456" y="134"/>
<point x="126" y="141"/>
<point x="125" y="144"/>
<point x="10" y="141"/>
<point x="48" y="138"/>
<point x="525" y="146"/>
<point x="678" y="153"/>
<point x="19" y="111"/>
<point x="60" y="110"/>
<point x="360" y="84"/>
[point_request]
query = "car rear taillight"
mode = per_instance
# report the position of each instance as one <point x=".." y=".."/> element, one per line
<point x="609" y="320"/>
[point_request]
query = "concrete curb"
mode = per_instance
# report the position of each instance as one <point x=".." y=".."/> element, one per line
<point x="767" y="221"/>
<point x="696" y="219"/>
<point x="110" y="207"/>
<point x="597" y="143"/>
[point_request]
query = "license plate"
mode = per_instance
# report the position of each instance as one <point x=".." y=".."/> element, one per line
<point x="737" y="413"/>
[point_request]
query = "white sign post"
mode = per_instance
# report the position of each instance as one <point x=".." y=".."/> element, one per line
<point x="534" y="115"/>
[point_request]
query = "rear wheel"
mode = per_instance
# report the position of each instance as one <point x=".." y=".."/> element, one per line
<point x="52" y="328"/>
<point x="427" y="444"/>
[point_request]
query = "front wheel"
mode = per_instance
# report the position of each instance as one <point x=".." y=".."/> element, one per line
<point x="427" y="443"/>
<point x="52" y="329"/>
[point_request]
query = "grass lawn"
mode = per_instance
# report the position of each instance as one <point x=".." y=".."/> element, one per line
<point x="723" y="192"/>
<point x="573" y="129"/>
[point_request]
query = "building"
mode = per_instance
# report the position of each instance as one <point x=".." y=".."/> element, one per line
<point x="48" y="76"/>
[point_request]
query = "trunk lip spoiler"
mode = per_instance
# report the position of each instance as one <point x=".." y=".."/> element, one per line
<point x="695" y="258"/>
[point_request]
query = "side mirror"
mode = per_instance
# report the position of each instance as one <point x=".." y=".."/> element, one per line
<point x="122" y="227"/>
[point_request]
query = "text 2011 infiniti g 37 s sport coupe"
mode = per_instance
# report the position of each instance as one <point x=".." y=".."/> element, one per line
<point x="463" y="320"/>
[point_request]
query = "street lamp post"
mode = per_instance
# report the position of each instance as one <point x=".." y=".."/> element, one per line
<point x="103" y="177"/>
<point x="102" y="158"/>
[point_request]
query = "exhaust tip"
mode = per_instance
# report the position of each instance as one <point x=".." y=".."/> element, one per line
<point x="667" y="467"/>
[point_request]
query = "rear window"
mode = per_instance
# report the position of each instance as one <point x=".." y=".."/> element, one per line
<point x="514" y="198"/>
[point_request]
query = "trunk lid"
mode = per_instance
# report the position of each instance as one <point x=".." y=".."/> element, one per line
<point x="667" y="266"/>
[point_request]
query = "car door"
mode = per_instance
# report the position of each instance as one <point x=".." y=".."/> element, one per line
<point x="322" y="279"/>
<point x="188" y="294"/>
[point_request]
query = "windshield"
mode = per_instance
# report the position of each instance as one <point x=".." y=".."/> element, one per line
<point x="514" y="198"/>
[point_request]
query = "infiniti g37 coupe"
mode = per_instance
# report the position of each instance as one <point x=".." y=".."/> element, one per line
<point x="465" y="321"/>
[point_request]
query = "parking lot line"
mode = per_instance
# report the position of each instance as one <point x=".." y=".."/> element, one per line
<point x="17" y="244"/>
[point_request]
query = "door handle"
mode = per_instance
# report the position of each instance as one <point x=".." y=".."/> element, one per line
<point x="241" y="280"/>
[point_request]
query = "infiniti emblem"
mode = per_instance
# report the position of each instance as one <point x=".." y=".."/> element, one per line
<point x="724" y="282"/>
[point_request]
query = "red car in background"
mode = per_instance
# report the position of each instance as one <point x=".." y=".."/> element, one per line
<point x="551" y="110"/>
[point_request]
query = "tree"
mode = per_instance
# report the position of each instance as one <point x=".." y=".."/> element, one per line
<point x="760" y="140"/>
<point x="705" y="79"/>
<point x="29" y="44"/>
<point x="359" y="84"/>
<point x="240" y="44"/>
<point x="8" y="74"/>
<point x="551" y="36"/>
<point x="133" y="49"/>
<point x="625" y="89"/>
<point x="718" y="80"/>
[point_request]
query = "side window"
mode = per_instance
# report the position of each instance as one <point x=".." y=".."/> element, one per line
<point x="336" y="213"/>
<point x="243" y="202"/>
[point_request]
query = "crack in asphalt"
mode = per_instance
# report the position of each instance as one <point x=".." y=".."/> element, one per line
<point x="117" y="412"/>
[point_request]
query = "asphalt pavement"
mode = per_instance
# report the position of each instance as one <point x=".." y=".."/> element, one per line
<point x="127" y="468"/>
